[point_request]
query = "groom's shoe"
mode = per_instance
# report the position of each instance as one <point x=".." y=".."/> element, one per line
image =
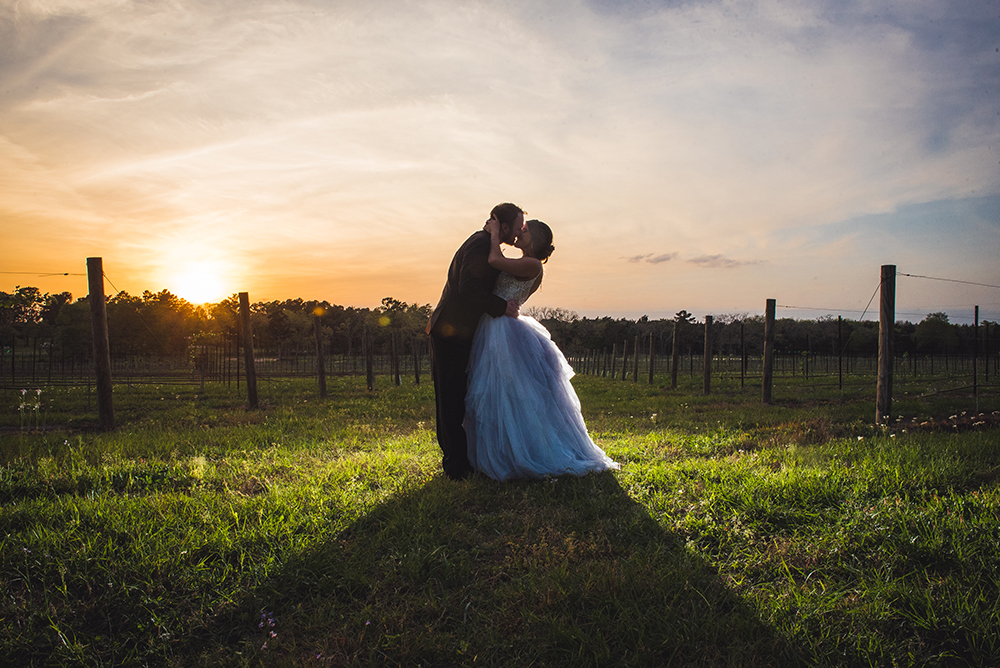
<point x="463" y="474"/>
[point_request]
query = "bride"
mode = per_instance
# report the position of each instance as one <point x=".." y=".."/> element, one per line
<point x="522" y="415"/>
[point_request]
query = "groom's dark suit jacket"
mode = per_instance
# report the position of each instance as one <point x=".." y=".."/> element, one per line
<point x="468" y="293"/>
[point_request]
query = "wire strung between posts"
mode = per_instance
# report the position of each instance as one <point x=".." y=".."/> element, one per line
<point x="817" y="308"/>
<point x="162" y="345"/>
<point x="41" y="275"/>
<point x="835" y="310"/>
<point x="949" y="280"/>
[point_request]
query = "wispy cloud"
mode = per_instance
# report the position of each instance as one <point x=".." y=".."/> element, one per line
<point x="651" y="258"/>
<point x="720" y="262"/>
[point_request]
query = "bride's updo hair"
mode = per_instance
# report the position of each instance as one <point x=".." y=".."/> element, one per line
<point x="541" y="239"/>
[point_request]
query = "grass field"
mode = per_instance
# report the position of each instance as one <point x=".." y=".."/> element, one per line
<point x="321" y="532"/>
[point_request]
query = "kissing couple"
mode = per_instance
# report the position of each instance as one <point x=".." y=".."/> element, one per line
<point x="505" y="405"/>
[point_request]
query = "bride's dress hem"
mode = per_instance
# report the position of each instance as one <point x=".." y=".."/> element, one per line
<point x="523" y="417"/>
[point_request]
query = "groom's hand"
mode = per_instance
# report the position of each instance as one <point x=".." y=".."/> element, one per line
<point x="513" y="309"/>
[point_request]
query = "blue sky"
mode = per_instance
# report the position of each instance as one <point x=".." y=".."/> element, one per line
<point x="697" y="155"/>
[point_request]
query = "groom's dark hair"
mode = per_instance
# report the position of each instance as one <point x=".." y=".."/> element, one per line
<point x="506" y="213"/>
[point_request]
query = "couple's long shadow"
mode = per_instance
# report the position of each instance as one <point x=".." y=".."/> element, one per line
<point x="563" y="572"/>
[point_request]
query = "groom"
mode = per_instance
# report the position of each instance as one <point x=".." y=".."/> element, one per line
<point x="467" y="295"/>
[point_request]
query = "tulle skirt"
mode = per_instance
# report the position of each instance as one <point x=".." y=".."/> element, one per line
<point x="522" y="414"/>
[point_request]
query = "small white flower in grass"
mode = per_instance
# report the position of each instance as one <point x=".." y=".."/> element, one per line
<point x="861" y="438"/>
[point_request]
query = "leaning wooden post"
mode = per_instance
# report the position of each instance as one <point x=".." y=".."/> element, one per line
<point x="675" y="355"/>
<point x="651" y="355"/>
<point x="707" y="360"/>
<point x="768" y="372"/>
<point x="625" y="358"/>
<point x="614" y="361"/>
<point x="320" y="361"/>
<point x="248" y="360"/>
<point x="886" y="322"/>
<point x="102" y="349"/>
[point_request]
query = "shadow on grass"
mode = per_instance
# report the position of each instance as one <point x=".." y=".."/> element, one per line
<point x="559" y="572"/>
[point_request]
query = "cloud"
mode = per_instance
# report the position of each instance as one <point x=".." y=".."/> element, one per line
<point x="657" y="259"/>
<point x="652" y="259"/>
<point x="720" y="262"/>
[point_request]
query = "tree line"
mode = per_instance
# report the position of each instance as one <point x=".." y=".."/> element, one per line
<point x="162" y="324"/>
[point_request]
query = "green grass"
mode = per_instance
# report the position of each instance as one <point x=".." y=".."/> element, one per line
<point x="321" y="532"/>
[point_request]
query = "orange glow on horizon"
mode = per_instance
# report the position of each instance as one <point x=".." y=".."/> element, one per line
<point x="200" y="282"/>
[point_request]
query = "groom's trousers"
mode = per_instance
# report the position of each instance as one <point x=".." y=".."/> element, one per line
<point x="449" y="363"/>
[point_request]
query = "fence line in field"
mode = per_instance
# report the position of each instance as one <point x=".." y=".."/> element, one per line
<point x="221" y="362"/>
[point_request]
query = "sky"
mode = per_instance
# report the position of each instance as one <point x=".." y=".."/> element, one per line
<point x="698" y="155"/>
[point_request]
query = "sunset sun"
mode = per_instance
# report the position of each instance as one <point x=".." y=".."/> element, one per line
<point x="200" y="283"/>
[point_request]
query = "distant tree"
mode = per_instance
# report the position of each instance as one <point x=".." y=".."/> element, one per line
<point x="543" y="313"/>
<point x="21" y="309"/>
<point x="934" y="334"/>
<point x="684" y="317"/>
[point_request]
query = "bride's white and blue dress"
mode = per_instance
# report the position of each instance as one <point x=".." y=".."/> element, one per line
<point x="522" y="415"/>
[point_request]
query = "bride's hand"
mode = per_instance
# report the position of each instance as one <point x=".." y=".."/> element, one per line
<point x="492" y="225"/>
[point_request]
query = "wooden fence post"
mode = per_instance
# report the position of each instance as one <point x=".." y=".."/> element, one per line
<point x="651" y="355"/>
<point x="614" y="361"/>
<point x="975" y="359"/>
<point x="248" y="349"/>
<point x="102" y="349"/>
<point x="707" y="360"/>
<point x="370" y="360"/>
<point x="320" y="361"/>
<point x="886" y="323"/>
<point x="768" y="372"/>
<point x="986" y="352"/>
<point x="625" y="358"/>
<point x="743" y="357"/>
<point x="416" y="360"/>
<point x="635" y="360"/>
<point x="675" y="355"/>
<point x="395" y="361"/>
<point x="840" y="353"/>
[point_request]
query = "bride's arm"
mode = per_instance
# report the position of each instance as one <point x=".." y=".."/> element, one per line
<point x="522" y="267"/>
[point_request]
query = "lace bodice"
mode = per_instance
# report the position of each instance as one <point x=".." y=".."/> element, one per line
<point x="509" y="287"/>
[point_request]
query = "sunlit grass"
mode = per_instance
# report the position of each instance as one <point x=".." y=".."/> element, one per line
<point x="321" y="532"/>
